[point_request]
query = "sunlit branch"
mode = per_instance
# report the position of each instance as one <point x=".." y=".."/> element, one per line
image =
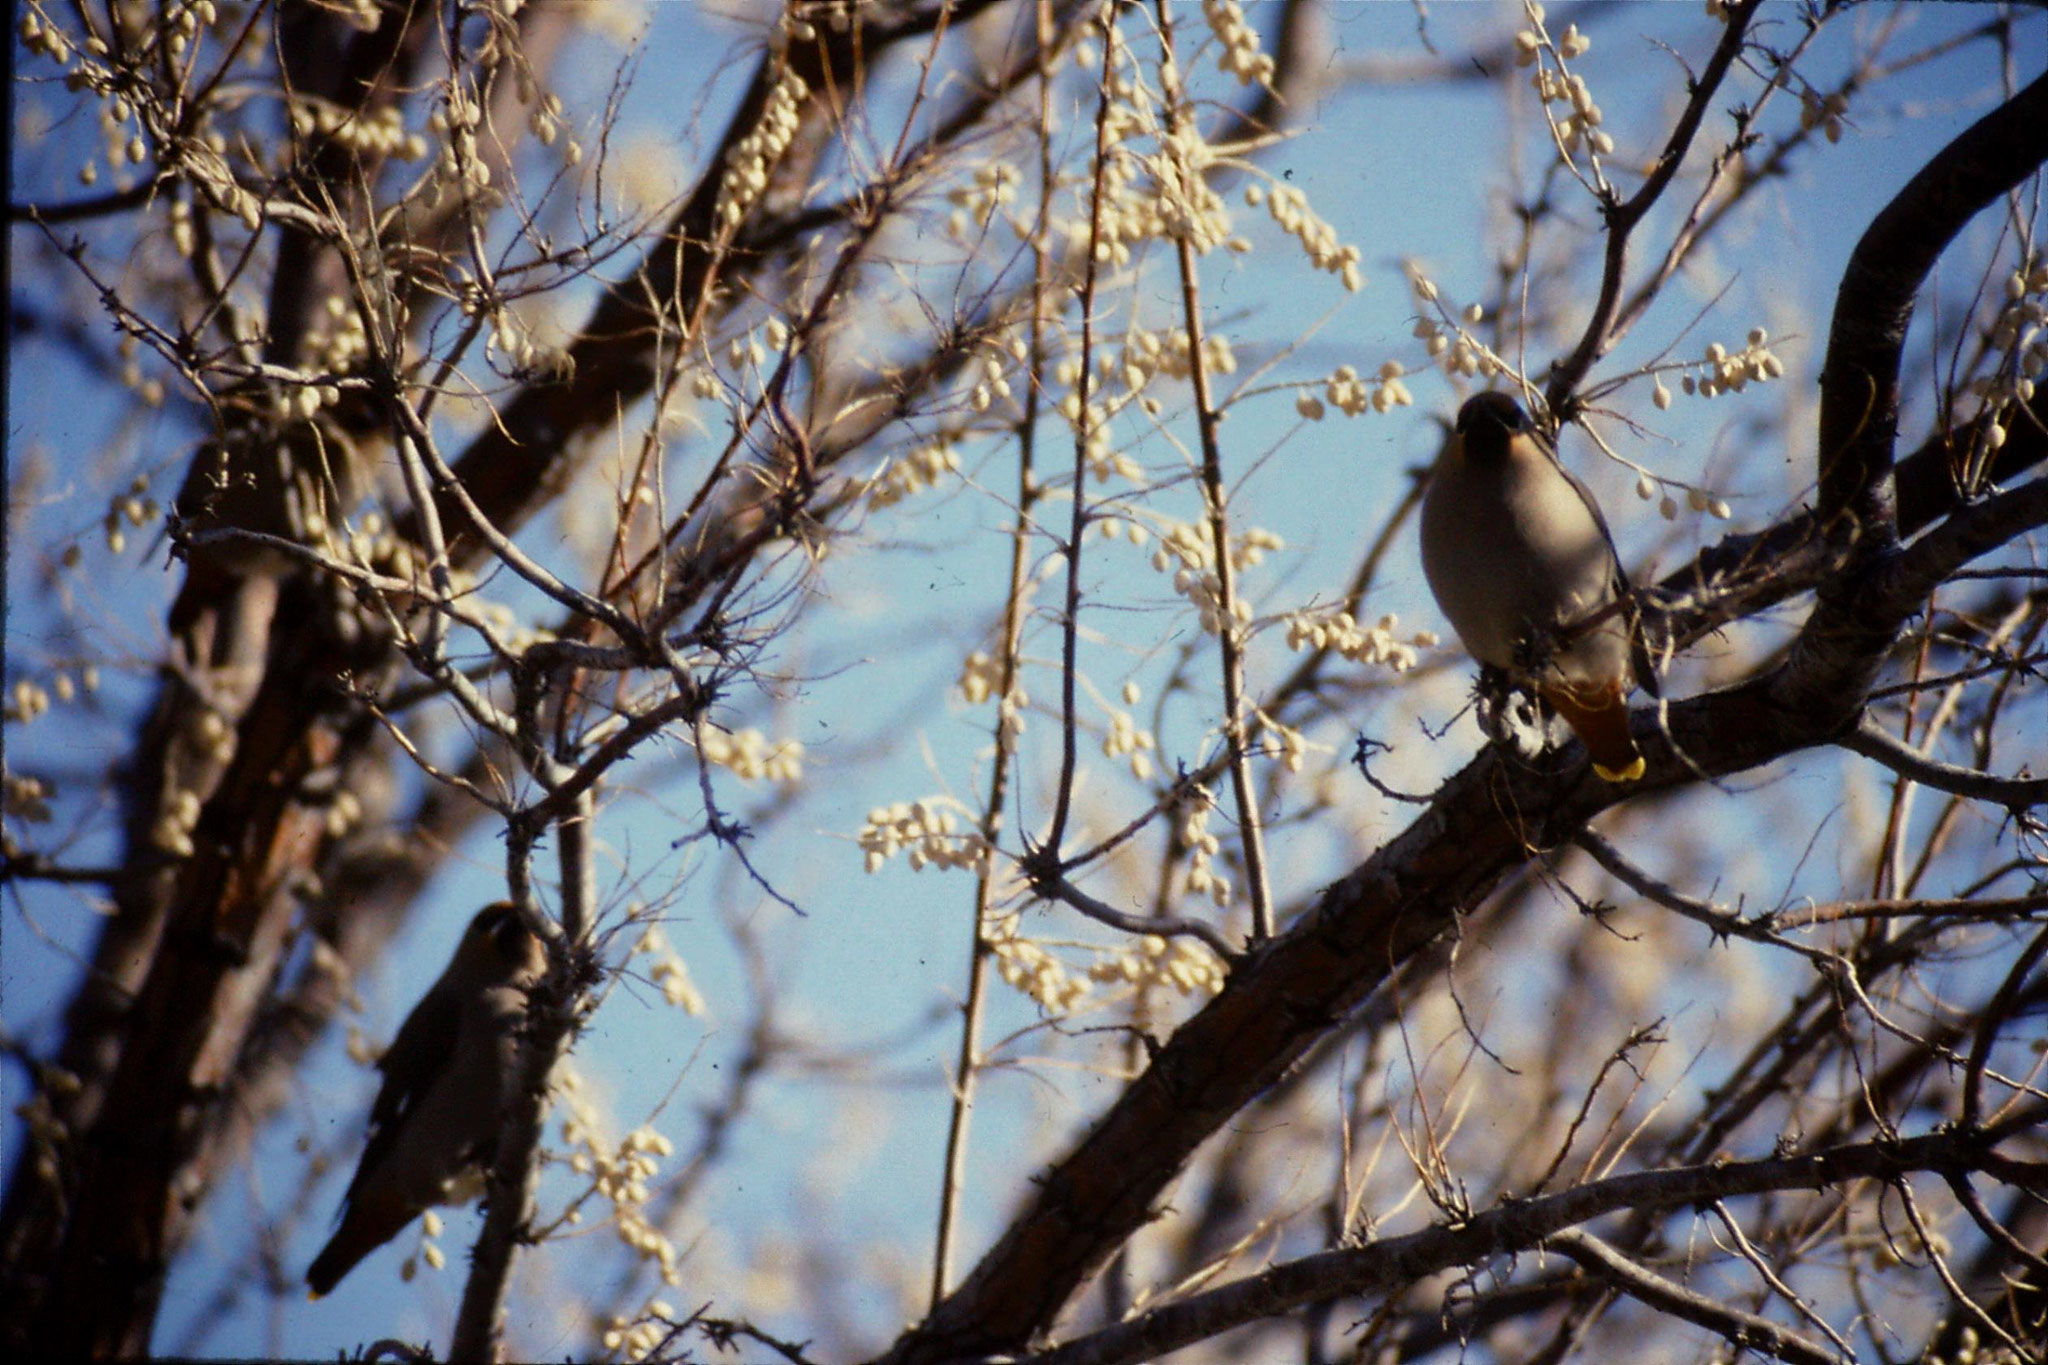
<point x="1730" y="1323"/>
<point x="1873" y="741"/>
<point x="1215" y="498"/>
<point x="1380" y="1267"/>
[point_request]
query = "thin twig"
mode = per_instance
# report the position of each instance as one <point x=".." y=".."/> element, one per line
<point x="1214" y="496"/>
<point x="1070" y="623"/>
<point x="967" y="1064"/>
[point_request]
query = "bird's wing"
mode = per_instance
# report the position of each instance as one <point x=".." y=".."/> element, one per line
<point x="421" y="1052"/>
<point x="1639" y="654"/>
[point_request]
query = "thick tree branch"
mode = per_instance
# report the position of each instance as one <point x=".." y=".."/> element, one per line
<point x="1384" y="1266"/>
<point x="1859" y="409"/>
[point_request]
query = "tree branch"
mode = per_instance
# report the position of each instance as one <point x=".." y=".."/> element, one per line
<point x="1733" y="1325"/>
<point x="1386" y="1265"/>
<point x="1874" y="742"/>
<point x="1859" y="408"/>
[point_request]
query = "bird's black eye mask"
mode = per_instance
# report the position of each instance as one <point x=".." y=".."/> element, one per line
<point x="510" y="938"/>
<point x="507" y="932"/>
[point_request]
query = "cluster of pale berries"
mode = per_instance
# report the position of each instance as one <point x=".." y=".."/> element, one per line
<point x="1289" y="207"/>
<point x="1091" y="423"/>
<point x="430" y="1250"/>
<point x="751" y="757"/>
<point x="1240" y="56"/>
<point x="1456" y="351"/>
<point x="25" y="798"/>
<point x="1203" y="848"/>
<point x="1190" y="209"/>
<point x="1176" y="201"/>
<point x="1184" y="965"/>
<point x="1029" y="969"/>
<point x="745" y="351"/>
<point x="344" y="812"/>
<point x="1698" y="499"/>
<point x="638" y="1338"/>
<point x="546" y="122"/>
<point x="29" y="698"/>
<point x="1723" y="371"/>
<point x="618" y="1174"/>
<point x="372" y="132"/>
<point x="801" y="21"/>
<point x="372" y="545"/>
<point x="1292" y="744"/>
<point x="995" y="187"/>
<point x="1149" y="354"/>
<point x="150" y="390"/>
<point x="1171" y="200"/>
<point x="748" y="350"/>
<point x="205" y="160"/>
<point x="1125" y="738"/>
<point x="176" y="27"/>
<point x="122" y="143"/>
<point x="1582" y="124"/>
<point x="994" y="381"/>
<point x="1824" y="112"/>
<point x="748" y="165"/>
<point x="668" y="971"/>
<point x="42" y="37"/>
<point x="1352" y="393"/>
<point x="2020" y="331"/>
<point x="458" y="170"/>
<point x="1188" y="551"/>
<point x="1338" y="630"/>
<point x="337" y="342"/>
<point x="172" y="831"/>
<point x="1970" y="1347"/>
<point x="927" y="831"/>
<point x="510" y="339"/>
<point x="922" y="468"/>
<point x="1144" y="196"/>
<point x="980" y="676"/>
<point x="1529" y="42"/>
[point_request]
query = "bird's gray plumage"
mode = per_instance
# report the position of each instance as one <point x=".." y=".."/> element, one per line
<point x="1521" y="561"/>
<point x="449" y="1077"/>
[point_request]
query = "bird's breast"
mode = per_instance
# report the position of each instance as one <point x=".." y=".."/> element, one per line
<point x="1511" y="550"/>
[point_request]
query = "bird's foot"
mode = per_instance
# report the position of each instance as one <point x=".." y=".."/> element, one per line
<point x="1511" y="715"/>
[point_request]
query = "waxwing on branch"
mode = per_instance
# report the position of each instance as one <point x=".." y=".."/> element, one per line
<point x="449" y="1078"/>
<point x="1521" y="562"/>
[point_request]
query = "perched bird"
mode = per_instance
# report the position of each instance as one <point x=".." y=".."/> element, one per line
<point x="449" y="1077"/>
<point x="1520" y="559"/>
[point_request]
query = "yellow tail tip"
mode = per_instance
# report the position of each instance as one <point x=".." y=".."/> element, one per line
<point x="1628" y="774"/>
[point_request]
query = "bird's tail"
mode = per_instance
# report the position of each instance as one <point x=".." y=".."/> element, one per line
<point x="368" y="1224"/>
<point x="1599" y="717"/>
